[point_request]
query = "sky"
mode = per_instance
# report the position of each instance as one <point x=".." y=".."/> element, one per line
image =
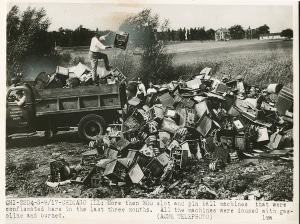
<point x="108" y="16"/>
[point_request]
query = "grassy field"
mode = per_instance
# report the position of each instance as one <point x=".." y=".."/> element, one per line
<point x="260" y="62"/>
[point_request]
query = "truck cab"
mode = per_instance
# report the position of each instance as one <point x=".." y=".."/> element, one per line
<point x="19" y="118"/>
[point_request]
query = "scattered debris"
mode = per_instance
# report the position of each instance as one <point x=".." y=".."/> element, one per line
<point x="200" y="121"/>
<point x="79" y="75"/>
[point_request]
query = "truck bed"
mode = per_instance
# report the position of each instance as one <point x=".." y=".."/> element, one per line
<point x="80" y="99"/>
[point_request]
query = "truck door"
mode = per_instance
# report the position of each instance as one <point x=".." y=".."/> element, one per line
<point x="18" y="117"/>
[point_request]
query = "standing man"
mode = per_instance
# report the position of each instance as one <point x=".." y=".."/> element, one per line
<point x="95" y="53"/>
<point x="241" y="86"/>
<point x="141" y="90"/>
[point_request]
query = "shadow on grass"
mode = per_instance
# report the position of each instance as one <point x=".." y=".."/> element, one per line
<point x="40" y="140"/>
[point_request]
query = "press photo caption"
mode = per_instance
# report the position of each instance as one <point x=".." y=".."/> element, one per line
<point x="153" y="209"/>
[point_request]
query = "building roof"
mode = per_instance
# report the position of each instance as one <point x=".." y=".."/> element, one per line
<point x="223" y="30"/>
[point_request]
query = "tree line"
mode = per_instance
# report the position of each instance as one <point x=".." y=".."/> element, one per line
<point x="81" y="36"/>
<point x="28" y="38"/>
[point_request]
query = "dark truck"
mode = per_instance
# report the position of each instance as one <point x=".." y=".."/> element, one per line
<point x="90" y="108"/>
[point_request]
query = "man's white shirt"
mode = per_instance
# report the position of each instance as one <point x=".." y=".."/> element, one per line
<point x="96" y="45"/>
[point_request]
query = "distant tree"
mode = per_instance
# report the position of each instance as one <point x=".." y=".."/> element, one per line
<point x="169" y="37"/>
<point x="197" y="33"/>
<point x="173" y="36"/>
<point x="202" y="34"/>
<point x="237" y="32"/>
<point x="64" y="38"/>
<point x="210" y="34"/>
<point x="188" y="34"/>
<point x="287" y="33"/>
<point x="183" y="34"/>
<point x="263" y="29"/>
<point x="26" y="35"/>
<point x="81" y="36"/>
<point x="155" y="61"/>
<point x="192" y="34"/>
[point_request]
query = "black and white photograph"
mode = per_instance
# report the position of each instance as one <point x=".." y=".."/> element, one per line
<point x="150" y="111"/>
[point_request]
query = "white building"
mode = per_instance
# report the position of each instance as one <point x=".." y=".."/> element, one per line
<point x="271" y="36"/>
<point x="222" y="34"/>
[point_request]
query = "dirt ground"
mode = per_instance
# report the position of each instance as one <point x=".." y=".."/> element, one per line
<point x="28" y="169"/>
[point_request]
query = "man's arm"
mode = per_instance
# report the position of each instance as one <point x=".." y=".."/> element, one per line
<point x="107" y="34"/>
<point x="100" y="45"/>
<point x="104" y="36"/>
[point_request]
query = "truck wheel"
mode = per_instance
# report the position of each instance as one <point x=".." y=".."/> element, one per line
<point x="91" y="126"/>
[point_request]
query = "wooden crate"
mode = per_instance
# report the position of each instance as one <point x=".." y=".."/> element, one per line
<point x="166" y="100"/>
<point x="59" y="170"/>
<point x="135" y="156"/>
<point x="240" y="142"/>
<point x="163" y="158"/>
<point x="115" y="170"/>
<point x="122" y="144"/>
<point x="155" y="167"/>
<point x="169" y="125"/>
<point x="180" y="157"/>
<point x="205" y="125"/>
<point x="285" y="101"/>
<point x="136" y="174"/>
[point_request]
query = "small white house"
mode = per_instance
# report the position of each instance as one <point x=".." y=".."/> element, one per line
<point x="222" y="35"/>
<point x="271" y="36"/>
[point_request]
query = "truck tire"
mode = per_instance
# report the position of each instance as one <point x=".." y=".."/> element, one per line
<point x="91" y="126"/>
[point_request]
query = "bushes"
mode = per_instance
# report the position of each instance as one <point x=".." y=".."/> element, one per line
<point x="63" y="58"/>
<point x="76" y="60"/>
<point x="26" y="35"/>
